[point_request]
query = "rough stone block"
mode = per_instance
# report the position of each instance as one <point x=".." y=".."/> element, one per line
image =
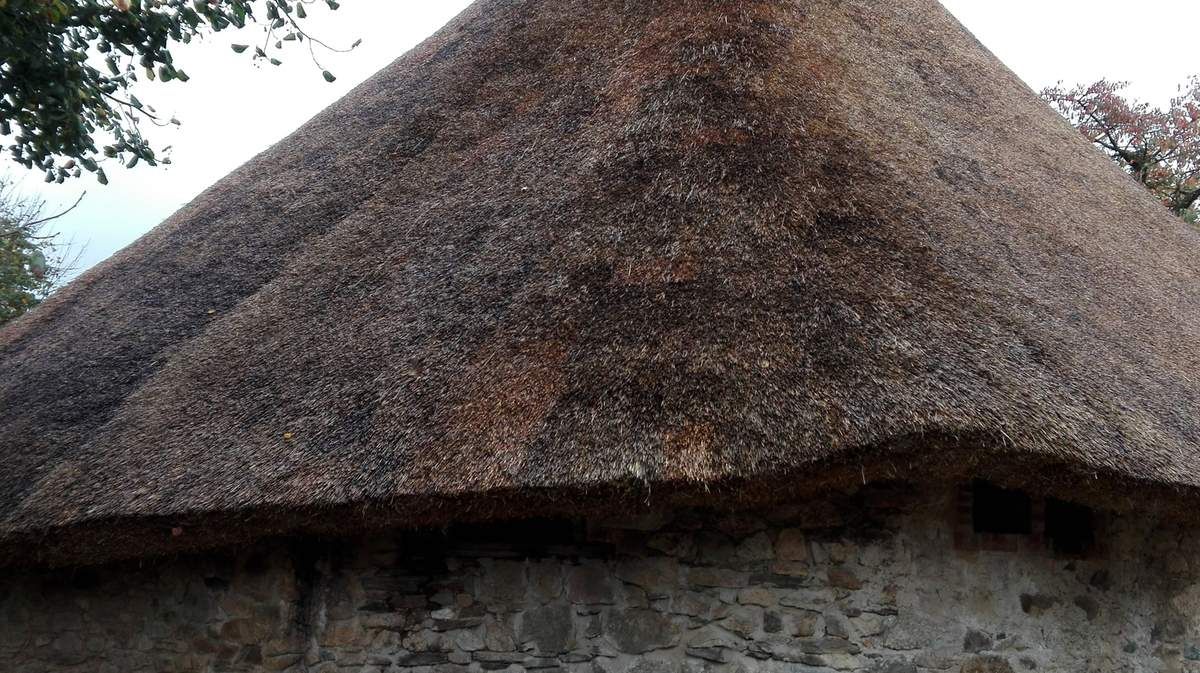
<point x="550" y="628"/>
<point x="976" y="641"/>
<point x="986" y="664"/>
<point x="718" y="577"/>
<point x="638" y="631"/>
<point x="498" y="634"/>
<point x="844" y="578"/>
<point x="657" y="575"/>
<point x="757" y="595"/>
<point x="545" y="580"/>
<point x="792" y="545"/>
<point x="704" y="607"/>
<point x="590" y="584"/>
<point x="757" y="547"/>
<point x="504" y="582"/>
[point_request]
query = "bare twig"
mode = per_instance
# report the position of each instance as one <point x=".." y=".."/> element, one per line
<point x="44" y="220"/>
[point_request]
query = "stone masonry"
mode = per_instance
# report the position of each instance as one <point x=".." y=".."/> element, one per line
<point x="877" y="581"/>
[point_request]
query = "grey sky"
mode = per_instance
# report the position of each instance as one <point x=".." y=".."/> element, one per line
<point x="231" y="110"/>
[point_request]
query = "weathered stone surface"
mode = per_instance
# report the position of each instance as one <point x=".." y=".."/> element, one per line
<point x="841" y="551"/>
<point x="281" y="662"/>
<point x="689" y="598"/>
<point x="505" y="582"/>
<point x="713" y="636"/>
<point x="545" y="581"/>
<point x="637" y="631"/>
<point x="249" y="630"/>
<point x="714" y="654"/>
<point x="674" y="545"/>
<point x="595" y="627"/>
<point x="699" y="605"/>
<point x="986" y="664"/>
<point x="423" y="659"/>
<point x="790" y="568"/>
<point x="844" y="578"/>
<point x="757" y="547"/>
<point x="718" y="577"/>
<point x="772" y="581"/>
<point x="893" y="666"/>
<point x="772" y="622"/>
<point x="910" y="632"/>
<point x="549" y="628"/>
<point x="656" y="575"/>
<point x="498" y="634"/>
<point x="836" y="626"/>
<point x="1036" y="604"/>
<point x="654" y="666"/>
<point x="1091" y="606"/>
<point x="745" y="621"/>
<point x="869" y="624"/>
<point x="714" y="549"/>
<point x="469" y="640"/>
<point x="976" y="641"/>
<point x="590" y="583"/>
<point x="760" y="596"/>
<point x="807" y="599"/>
<point x="792" y="545"/>
<point x="500" y="657"/>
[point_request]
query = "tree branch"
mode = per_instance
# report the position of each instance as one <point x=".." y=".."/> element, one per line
<point x="55" y="217"/>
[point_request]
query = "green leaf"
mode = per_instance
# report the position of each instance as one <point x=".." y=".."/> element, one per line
<point x="63" y="102"/>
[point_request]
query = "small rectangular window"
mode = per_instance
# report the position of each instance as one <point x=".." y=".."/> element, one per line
<point x="1000" y="511"/>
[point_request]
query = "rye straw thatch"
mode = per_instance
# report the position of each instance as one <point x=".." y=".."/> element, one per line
<point x="570" y="245"/>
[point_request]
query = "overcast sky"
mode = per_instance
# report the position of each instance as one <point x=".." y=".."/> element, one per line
<point x="232" y="110"/>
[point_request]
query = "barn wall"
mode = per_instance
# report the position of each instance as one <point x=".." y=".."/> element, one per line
<point x="887" y="581"/>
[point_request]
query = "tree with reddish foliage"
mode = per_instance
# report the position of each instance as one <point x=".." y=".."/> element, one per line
<point x="1158" y="148"/>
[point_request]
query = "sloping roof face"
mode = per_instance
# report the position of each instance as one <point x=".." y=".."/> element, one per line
<point x="571" y="243"/>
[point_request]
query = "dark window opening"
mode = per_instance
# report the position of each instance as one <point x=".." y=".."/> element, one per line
<point x="1000" y="511"/>
<point x="1069" y="527"/>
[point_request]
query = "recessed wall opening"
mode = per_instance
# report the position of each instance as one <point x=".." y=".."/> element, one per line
<point x="1070" y="528"/>
<point x="1000" y="511"/>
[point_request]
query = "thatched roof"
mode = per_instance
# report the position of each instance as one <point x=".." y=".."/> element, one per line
<point x="573" y="246"/>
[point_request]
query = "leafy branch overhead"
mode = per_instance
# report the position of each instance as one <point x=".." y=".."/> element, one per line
<point x="67" y="68"/>
<point x="32" y="263"/>
<point x="1159" y="148"/>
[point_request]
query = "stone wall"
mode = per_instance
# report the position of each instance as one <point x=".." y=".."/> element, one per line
<point x="882" y="581"/>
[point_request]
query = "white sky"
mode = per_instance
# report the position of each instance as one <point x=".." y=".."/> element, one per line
<point x="231" y="110"/>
